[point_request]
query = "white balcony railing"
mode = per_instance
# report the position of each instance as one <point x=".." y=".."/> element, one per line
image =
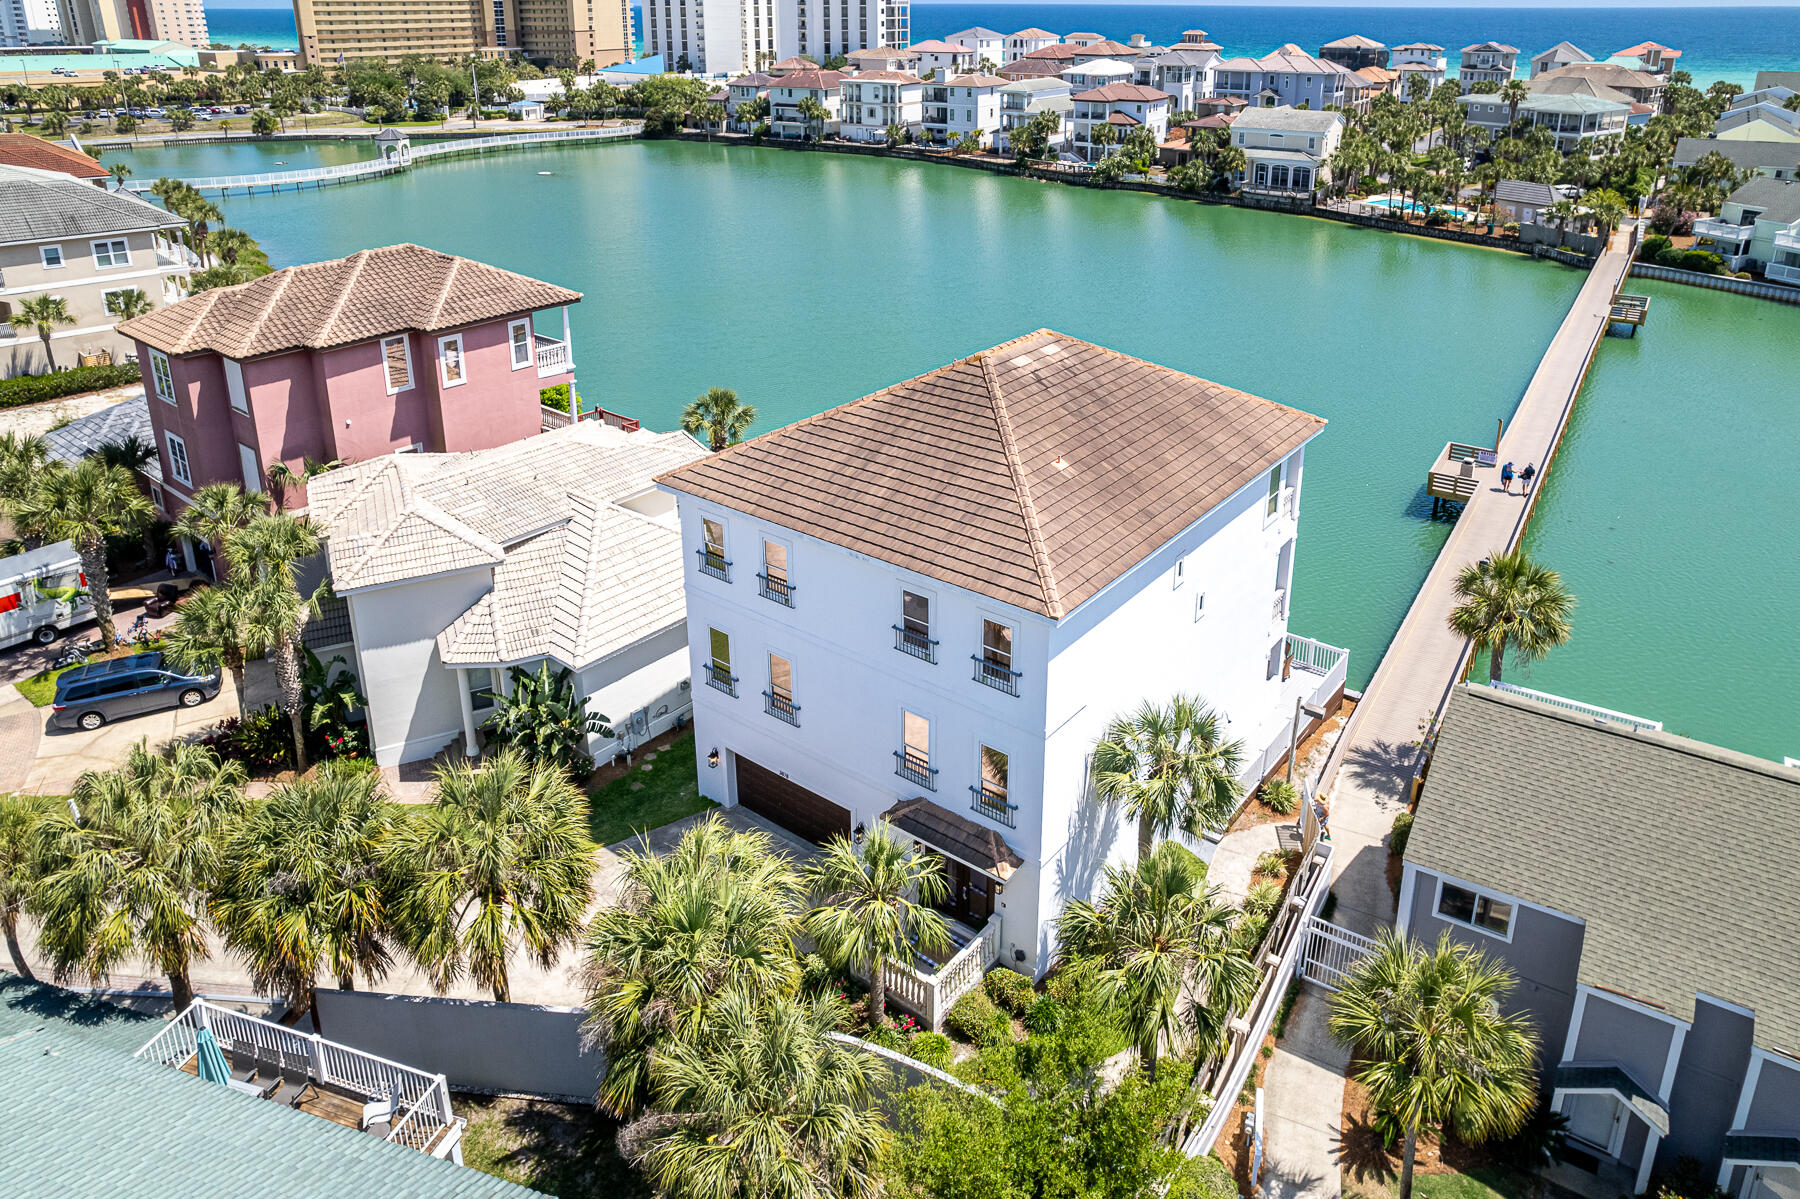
<point x="1592" y="711"/>
<point x="1781" y="273"/>
<point x="553" y="357"/>
<point x="1278" y="611"/>
<point x="1787" y="241"/>
<point x="929" y="996"/>
<point x="1721" y="230"/>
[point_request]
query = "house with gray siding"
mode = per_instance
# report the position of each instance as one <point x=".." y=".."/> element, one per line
<point x="1639" y="885"/>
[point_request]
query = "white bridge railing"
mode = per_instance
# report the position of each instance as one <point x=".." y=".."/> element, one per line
<point x="1637" y="723"/>
<point x="929" y="996"/>
<point x="422" y="1118"/>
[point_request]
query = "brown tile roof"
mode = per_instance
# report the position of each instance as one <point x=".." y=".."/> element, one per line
<point x="753" y="79"/>
<point x="319" y="305"/>
<point x="1056" y="53"/>
<point x="1107" y="49"/>
<point x="889" y="77"/>
<point x="1123" y="91"/>
<point x="978" y="81"/>
<point x="1122" y="118"/>
<point x="796" y="63"/>
<point x="1033" y="32"/>
<point x="28" y="150"/>
<point x="938" y="46"/>
<point x="1035" y="473"/>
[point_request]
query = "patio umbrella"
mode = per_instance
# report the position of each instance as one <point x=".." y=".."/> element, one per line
<point x="209" y="1058"/>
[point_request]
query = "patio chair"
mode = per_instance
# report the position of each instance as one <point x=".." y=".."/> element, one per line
<point x="381" y="1112"/>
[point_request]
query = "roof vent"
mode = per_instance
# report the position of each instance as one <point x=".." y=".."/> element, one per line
<point x="1022" y="360"/>
<point x="1049" y="347"/>
<point x="1061" y="463"/>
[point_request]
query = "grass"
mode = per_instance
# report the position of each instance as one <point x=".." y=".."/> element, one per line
<point x="556" y="1148"/>
<point x="649" y="795"/>
<point x="1482" y="1182"/>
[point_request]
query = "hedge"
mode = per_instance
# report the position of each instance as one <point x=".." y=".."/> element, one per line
<point x="35" y="389"/>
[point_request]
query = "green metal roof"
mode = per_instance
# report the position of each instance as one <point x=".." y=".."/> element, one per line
<point x="84" y="1119"/>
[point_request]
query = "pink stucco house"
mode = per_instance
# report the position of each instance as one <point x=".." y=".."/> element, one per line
<point x="387" y="351"/>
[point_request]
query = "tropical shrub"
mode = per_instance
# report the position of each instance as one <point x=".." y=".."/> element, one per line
<point x="34" y="389"/>
<point x="1044" y="1017"/>
<point x="1703" y="261"/>
<point x="1686" y="1179"/>
<point x="975" y="1019"/>
<point x="1263" y="898"/>
<point x="1203" y="1178"/>
<point x="1281" y="797"/>
<point x="1276" y="862"/>
<point x="1009" y="989"/>
<point x="932" y="1048"/>
<point x="332" y="705"/>
<point x="886" y="1037"/>
<point x="545" y="721"/>
<point x="1400" y="834"/>
<point x="1653" y="247"/>
<point x="260" y="740"/>
<point x="556" y="397"/>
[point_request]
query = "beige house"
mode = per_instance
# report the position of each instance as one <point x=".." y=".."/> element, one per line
<point x="60" y="236"/>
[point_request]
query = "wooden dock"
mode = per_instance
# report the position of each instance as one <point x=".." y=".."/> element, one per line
<point x="1628" y="314"/>
<point x="1458" y="473"/>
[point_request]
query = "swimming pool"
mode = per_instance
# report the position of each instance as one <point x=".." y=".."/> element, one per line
<point x="1414" y="208"/>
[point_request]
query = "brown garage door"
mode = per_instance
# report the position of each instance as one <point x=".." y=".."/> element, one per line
<point x="789" y="804"/>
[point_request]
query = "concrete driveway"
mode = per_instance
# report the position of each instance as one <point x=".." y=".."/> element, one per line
<point x="60" y="756"/>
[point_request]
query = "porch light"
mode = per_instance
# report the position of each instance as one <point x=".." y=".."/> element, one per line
<point x="712" y="758"/>
<point x="918" y="847"/>
<point x="858" y="832"/>
<point x="999" y="888"/>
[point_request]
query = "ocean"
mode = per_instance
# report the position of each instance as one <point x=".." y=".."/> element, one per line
<point x="1716" y="42"/>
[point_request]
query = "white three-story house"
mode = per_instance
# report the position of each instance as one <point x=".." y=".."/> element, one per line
<point x="927" y="605"/>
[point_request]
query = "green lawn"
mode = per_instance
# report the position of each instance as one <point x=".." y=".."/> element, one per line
<point x="1483" y="1182"/>
<point x="653" y="794"/>
<point x="555" y="1148"/>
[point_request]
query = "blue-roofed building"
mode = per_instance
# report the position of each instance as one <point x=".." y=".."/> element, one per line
<point x="122" y="55"/>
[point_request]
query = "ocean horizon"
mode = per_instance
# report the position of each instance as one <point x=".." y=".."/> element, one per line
<point x="1729" y="43"/>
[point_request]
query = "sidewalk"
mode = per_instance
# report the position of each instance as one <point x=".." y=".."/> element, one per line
<point x="1303" y="1106"/>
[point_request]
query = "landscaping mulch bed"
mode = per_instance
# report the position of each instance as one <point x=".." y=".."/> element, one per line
<point x="557" y="1148"/>
<point x="1254" y="811"/>
<point x="1442" y="1169"/>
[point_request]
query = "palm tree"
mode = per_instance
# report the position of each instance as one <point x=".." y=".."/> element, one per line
<point x="86" y="504"/>
<point x="816" y="115"/>
<point x="212" y="627"/>
<point x="720" y="416"/>
<point x="764" y="1104"/>
<point x="19" y="817"/>
<point x="22" y="460"/>
<point x="1511" y="600"/>
<point x="217" y="511"/>
<point x="128" y="303"/>
<point x="300" y="890"/>
<point x="1165" y="944"/>
<point x="1562" y="212"/>
<point x="42" y="314"/>
<point x="1170" y="769"/>
<point x="720" y="907"/>
<point x="1513" y="93"/>
<point x="270" y="551"/>
<point x="1437" y="1050"/>
<point x="500" y="860"/>
<point x="130" y="875"/>
<point x="284" y="480"/>
<point x="120" y="173"/>
<point x="875" y="906"/>
<point x="236" y="247"/>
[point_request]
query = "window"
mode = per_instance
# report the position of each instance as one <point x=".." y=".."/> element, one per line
<point x="162" y="376"/>
<point x="483" y="693"/>
<point x="991" y="793"/>
<point x="712" y="552"/>
<point x="774" y="577"/>
<point x="994" y="665"/>
<point x="251" y="469"/>
<point x="178" y="460"/>
<point x="1199" y="605"/>
<point x="52" y="256"/>
<point x="1180" y="574"/>
<point x="913" y="634"/>
<point x="396" y="360"/>
<point x="914" y="757"/>
<point x="450" y="360"/>
<point x="1475" y="909"/>
<point x="234" y="387"/>
<point x="1274" y="502"/>
<point x="112" y="252"/>
<point x="718" y="667"/>
<point x="156" y="497"/>
<point x="778" y="700"/>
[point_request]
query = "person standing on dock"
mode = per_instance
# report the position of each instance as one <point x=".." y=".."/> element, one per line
<point x="1525" y="478"/>
<point x="1506" y="478"/>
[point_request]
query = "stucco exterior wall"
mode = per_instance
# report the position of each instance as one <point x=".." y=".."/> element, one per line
<point x="82" y="283"/>
<point x="652" y="674"/>
<point x="414" y="708"/>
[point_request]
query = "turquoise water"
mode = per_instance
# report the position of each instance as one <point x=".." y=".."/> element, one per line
<point x="1670" y="516"/>
<point x="806" y="280"/>
<point x="194" y="162"/>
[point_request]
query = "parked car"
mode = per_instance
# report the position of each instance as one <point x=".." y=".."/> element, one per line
<point x="89" y="696"/>
<point x="241" y="109"/>
<point x="42" y="592"/>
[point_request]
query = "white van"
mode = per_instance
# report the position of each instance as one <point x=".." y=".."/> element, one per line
<point x="42" y="592"/>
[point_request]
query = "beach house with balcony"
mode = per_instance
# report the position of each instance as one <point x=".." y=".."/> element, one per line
<point x="1653" y="58"/>
<point x="1639" y="87"/>
<point x="986" y="43"/>
<point x="1603" y="861"/>
<point x="1124" y="107"/>
<point x="926" y="605"/>
<point x="458" y="567"/>
<point x="1019" y="44"/>
<point x="745" y="89"/>
<point x="62" y="237"/>
<point x="1023" y="99"/>
<point x="1487" y="62"/>
<point x="1561" y="55"/>
<point x="393" y="350"/>
<point x="1758" y="228"/>
<point x="1286" y="150"/>
<point x="874" y="100"/>
<point x="938" y="58"/>
<point x="1576" y="119"/>
<point x="1097" y="72"/>
<point x="787" y="93"/>
<point x="1290" y="76"/>
<point x="964" y="106"/>
<point x="1416" y="60"/>
<point x="1183" y="73"/>
<point x="1355" y="52"/>
<point x="883" y="58"/>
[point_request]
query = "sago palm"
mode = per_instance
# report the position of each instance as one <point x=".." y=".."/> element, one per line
<point x="300" y="889"/>
<point x="42" y="315"/>
<point x="875" y="905"/>
<point x="132" y="873"/>
<point x="1164" y="940"/>
<point x="1169" y="768"/>
<point x="1437" y="1050"/>
<point x="719" y="416"/>
<point x="85" y="504"/>
<point x="1509" y="601"/>
<point x="19" y="817"/>
<point x="764" y="1105"/>
<point x="719" y="908"/>
<point x="499" y="861"/>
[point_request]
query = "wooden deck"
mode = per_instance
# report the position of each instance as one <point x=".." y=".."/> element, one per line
<point x="1628" y="313"/>
<point x="315" y="1099"/>
<point x="1458" y="473"/>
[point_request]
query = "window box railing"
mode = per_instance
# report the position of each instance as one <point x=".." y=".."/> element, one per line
<point x="991" y="804"/>
<point x="917" y="644"/>
<point x="721" y="680"/>
<point x="994" y="675"/>
<point x="915" y="771"/>
<point x="781" y="708"/>
<point x="1278" y="611"/>
<point x="779" y="590"/>
<point x="715" y="565"/>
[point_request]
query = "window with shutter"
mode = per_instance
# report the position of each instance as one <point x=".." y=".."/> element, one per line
<point x="396" y="359"/>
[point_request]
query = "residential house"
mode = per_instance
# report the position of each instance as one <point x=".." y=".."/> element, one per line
<point x="966" y="106"/>
<point x="1760" y="122"/>
<point x="61" y="236"/>
<point x="1578" y="121"/>
<point x="1023" y="99"/>
<point x="1363" y="85"/>
<point x="1778" y="159"/>
<point x="1560" y="55"/>
<point x="458" y="567"/>
<point x="1185" y="73"/>
<point x="939" y="58"/>
<point x="788" y="92"/>
<point x="1105" y="48"/>
<point x="1286" y="149"/>
<point x="1637" y="86"/>
<point x="1650" y="57"/>
<point x="393" y="350"/>
<point x="790" y="65"/>
<point x="1355" y="52"/>
<point x="1081" y="532"/>
<point x="873" y="100"/>
<point x="1603" y="863"/>
<point x="1084" y="39"/>
<point x="745" y="89"/>
<point x="1180" y="148"/>
<point x="1522" y="201"/>
<point x="76" y="1066"/>
<point x="1030" y="67"/>
<point x="1787" y="79"/>
<point x="1019" y="44"/>
<point x="1427" y="54"/>
<point x="1098" y="72"/>
<point x="1289" y="77"/>
<point x="1778" y="96"/>
<point x="36" y="153"/>
<point x="986" y="43"/>
<point x="1758" y="227"/>
<point x="884" y="58"/>
<point x="1418" y="60"/>
<point x="1487" y="62"/>
<point x="1123" y="106"/>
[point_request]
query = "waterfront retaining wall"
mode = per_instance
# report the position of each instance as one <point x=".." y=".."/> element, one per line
<point x="1743" y="287"/>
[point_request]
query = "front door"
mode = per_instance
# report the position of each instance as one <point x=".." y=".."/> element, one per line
<point x="971" y="895"/>
<point x="1594" y="1119"/>
<point x="1776" y="1182"/>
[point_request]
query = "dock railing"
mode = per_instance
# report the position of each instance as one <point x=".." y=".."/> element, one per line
<point x="1595" y="711"/>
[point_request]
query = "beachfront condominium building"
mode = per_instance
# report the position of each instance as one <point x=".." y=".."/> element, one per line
<point x="826" y="29"/>
<point x="84" y="22"/>
<point x="875" y="100"/>
<point x="554" y="32"/>
<point x="1290" y="76"/>
<point x="712" y="37"/>
<point x="1122" y="107"/>
<point x="927" y="605"/>
<point x="99" y="252"/>
<point x="1487" y="62"/>
<point x="1602" y="861"/>
<point x="1286" y="149"/>
<point x="394" y="350"/>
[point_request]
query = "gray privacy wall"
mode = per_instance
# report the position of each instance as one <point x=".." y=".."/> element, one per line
<point x="513" y="1048"/>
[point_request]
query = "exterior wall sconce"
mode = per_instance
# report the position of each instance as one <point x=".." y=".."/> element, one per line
<point x="712" y="758"/>
<point x="858" y="833"/>
<point x="918" y="847"/>
<point x="999" y="888"/>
